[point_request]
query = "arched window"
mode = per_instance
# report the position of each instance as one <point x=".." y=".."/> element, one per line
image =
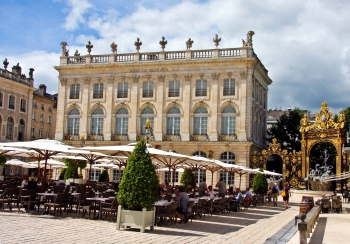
<point x="73" y="122"/>
<point x="122" y="122"/>
<point x="147" y="113"/>
<point x="173" y="121"/>
<point x="200" y="122"/>
<point x="228" y="121"/>
<point x="201" y="173"/>
<point x="97" y="122"/>
<point x="21" y="130"/>
<point x="229" y="158"/>
<point x="9" y="128"/>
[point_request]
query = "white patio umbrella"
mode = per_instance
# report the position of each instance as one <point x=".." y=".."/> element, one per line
<point x="45" y="148"/>
<point x="266" y="172"/>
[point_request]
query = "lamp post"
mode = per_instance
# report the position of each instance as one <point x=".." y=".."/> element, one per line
<point x="82" y="141"/>
<point x="148" y="130"/>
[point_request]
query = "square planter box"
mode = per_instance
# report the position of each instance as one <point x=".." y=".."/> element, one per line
<point x="138" y="219"/>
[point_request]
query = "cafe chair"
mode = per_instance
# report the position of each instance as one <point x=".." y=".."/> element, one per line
<point x="190" y="212"/>
<point x="29" y="199"/>
<point x="169" y="212"/>
<point x="57" y="204"/>
<point x="6" y="197"/>
<point x="112" y="209"/>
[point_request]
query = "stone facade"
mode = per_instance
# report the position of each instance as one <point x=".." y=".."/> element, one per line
<point x="206" y="90"/>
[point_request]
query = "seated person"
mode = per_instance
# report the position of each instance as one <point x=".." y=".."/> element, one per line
<point x="231" y="191"/>
<point x="162" y="190"/>
<point x="238" y="198"/>
<point x="25" y="182"/>
<point x="249" y="194"/>
<point x="184" y="200"/>
<point x="60" y="181"/>
<point x="210" y="192"/>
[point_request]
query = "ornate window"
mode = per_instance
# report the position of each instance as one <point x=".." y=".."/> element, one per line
<point x="97" y="122"/>
<point x="49" y="120"/>
<point x="228" y="121"/>
<point x="173" y="121"/>
<point x="147" y="113"/>
<point x="34" y="104"/>
<point x="229" y="87"/>
<point x="48" y="134"/>
<point x="200" y="121"/>
<point x="73" y="122"/>
<point x="1" y="98"/>
<point x="122" y="122"/>
<point x="229" y="158"/>
<point x="98" y="90"/>
<point x="21" y="130"/>
<point x="50" y="109"/>
<point x="174" y="88"/>
<point x="34" y="116"/>
<point x="122" y="90"/>
<point x="9" y="128"/>
<point x="11" y="102"/>
<point x="74" y="91"/>
<point x="147" y="89"/>
<point x="23" y="105"/>
<point x="42" y="106"/>
<point x="41" y="118"/>
<point x="201" y="88"/>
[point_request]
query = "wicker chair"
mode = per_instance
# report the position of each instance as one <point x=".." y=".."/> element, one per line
<point x="169" y="212"/>
<point x="6" y="197"/>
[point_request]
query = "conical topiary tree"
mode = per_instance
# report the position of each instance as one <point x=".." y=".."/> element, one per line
<point x="187" y="178"/>
<point x="139" y="185"/>
<point x="104" y="177"/>
<point x="260" y="185"/>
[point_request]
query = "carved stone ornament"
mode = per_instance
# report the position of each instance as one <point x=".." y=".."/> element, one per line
<point x="148" y="77"/>
<point x="110" y="79"/>
<point x="189" y="44"/>
<point x="65" y="52"/>
<point x="161" y="78"/>
<point x="249" y="41"/>
<point x="216" y="40"/>
<point x="188" y="77"/>
<point x="138" y="44"/>
<point x="76" y="54"/>
<point x="201" y="75"/>
<point x="229" y="74"/>
<point x="6" y="63"/>
<point x="89" y="47"/>
<point x="122" y="78"/>
<point x="243" y="75"/>
<point x="135" y="78"/>
<point x="163" y="42"/>
<point x="215" y="76"/>
<point x="86" y="80"/>
<point x="63" y="81"/>
<point x="113" y="47"/>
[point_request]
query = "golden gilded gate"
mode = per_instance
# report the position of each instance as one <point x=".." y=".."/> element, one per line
<point x="296" y="165"/>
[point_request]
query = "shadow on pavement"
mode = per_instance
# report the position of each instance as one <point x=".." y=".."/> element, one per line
<point x="318" y="234"/>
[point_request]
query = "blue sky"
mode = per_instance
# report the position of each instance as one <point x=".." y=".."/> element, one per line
<point x="303" y="44"/>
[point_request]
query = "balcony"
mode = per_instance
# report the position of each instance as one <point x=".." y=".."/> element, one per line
<point x="171" y="137"/>
<point x="98" y="95"/>
<point x="71" y="137"/>
<point x="199" y="137"/>
<point x="228" y="137"/>
<point x="116" y="137"/>
<point x="122" y="94"/>
<point x="95" y="137"/>
<point x="74" y="96"/>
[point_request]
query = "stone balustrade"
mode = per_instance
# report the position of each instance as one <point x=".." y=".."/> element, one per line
<point x="16" y="77"/>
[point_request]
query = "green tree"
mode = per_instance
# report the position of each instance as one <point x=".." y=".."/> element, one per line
<point x="260" y="185"/>
<point x="103" y="177"/>
<point x="2" y="159"/>
<point x="63" y="172"/>
<point x="139" y="185"/>
<point x="187" y="178"/>
<point x="286" y="130"/>
<point x="70" y="170"/>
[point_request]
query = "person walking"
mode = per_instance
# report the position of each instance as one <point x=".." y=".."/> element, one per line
<point x="285" y="195"/>
<point x="221" y="188"/>
<point x="274" y="193"/>
<point x="202" y="188"/>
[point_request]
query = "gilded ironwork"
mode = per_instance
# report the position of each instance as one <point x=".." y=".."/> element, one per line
<point x="199" y="137"/>
<point x="171" y="137"/>
<point x="116" y="137"/>
<point x="231" y="137"/>
<point x="95" y="137"/>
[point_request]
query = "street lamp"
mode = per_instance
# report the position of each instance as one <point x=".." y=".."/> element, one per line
<point x="148" y="129"/>
<point x="82" y="141"/>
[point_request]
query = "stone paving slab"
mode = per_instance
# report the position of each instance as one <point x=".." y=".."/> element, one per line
<point x="263" y="224"/>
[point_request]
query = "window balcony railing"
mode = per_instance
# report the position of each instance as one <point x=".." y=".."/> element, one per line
<point x="71" y="137"/>
<point x="174" y="93"/>
<point x="168" y="137"/>
<point x="98" y="95"/>
<point x="199" y="137"/>
<point x="229" y="92"/>
<point x="144" y="137"/>
<point x="147" y="94"/>
<point x="74" y="96"/>
<point x="116" y="137"/>
<point x="200" y="93"/>
<point x="228" y="137"/>
<point x="122" y="95"/>
<point x="95" y="137"/>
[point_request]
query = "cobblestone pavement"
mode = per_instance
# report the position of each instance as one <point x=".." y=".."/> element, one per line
<point x="261" y="224"/>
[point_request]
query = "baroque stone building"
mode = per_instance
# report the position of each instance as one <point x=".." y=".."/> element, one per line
<point x="209" y="102"/>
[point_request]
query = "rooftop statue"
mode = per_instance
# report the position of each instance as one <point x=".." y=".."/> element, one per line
<point x="6" y="63"/>
<point x="65" y="52"/>
<point x="216" y="40"/>
<point x="249" y="41"/>
<point x="138" y="44"/>
<point x="189" y="44"/>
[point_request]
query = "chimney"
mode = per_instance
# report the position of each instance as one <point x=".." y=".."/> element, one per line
<point x="42" y="89"/>
<point x="17" y="69"/>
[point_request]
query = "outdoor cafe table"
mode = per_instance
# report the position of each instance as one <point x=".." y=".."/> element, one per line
<point x="159" y="205"/>
<point x="47" y="195"/>
<point x="97" y="200"/>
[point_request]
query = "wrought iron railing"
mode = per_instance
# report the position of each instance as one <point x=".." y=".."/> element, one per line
<point x="199" y="137"/>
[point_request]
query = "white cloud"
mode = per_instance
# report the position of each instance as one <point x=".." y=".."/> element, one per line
<point x="77" y="9"/>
